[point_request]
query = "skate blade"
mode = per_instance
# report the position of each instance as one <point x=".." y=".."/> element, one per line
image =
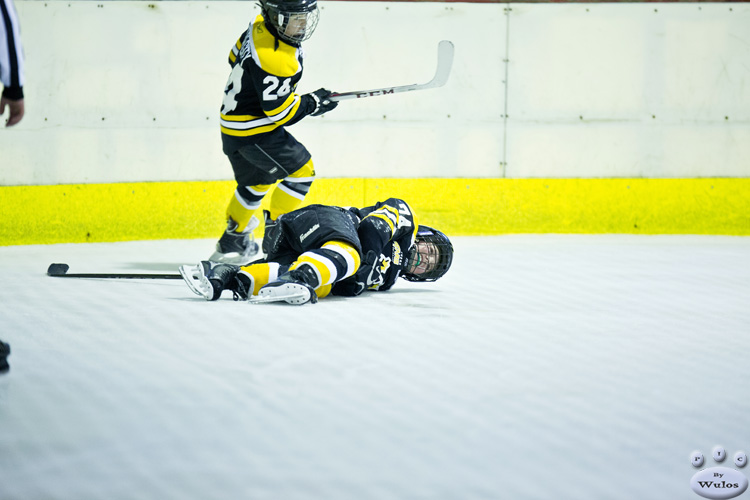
<point x="196" y="281"/>
<point x="236" y="258"/>
<point x="291" y="293"/>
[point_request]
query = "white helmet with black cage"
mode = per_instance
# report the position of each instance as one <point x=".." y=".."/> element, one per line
<point x="293" y="21"/>
<point x="430" y="257"/>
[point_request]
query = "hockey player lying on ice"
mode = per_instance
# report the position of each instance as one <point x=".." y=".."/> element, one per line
<point x="320" y="250"/>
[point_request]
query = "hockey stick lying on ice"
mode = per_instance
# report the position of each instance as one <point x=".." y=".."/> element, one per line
<point x="445" y="61"/>
<point x="61" y="271"/>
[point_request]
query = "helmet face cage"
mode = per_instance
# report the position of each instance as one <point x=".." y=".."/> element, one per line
<point x="430" y="257"/>
<point x="293" y="20"/>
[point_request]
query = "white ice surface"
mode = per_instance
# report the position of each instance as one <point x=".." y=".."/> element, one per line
<point x="540" y="367"/>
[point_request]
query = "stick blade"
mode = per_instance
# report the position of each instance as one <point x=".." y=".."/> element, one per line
<point x="442" y="72"/>
<point x="57" y="269"/>
<point x="445" y="63"/>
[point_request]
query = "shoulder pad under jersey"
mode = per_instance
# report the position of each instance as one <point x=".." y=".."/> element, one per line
<point x="272" y="55"/>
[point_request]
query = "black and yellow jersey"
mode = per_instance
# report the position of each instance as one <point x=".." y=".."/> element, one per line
<point x="260" y="94"/>
<point x="387" y="231"/>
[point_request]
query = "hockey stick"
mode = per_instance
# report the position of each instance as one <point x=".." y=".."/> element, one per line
<point x="61" y="271"/>
<point x="445" y="61"/>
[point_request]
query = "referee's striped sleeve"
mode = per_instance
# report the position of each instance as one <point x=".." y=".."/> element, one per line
<point x="11" y="52"/>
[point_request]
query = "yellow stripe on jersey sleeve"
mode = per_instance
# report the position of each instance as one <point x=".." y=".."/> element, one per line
<point x="291" y="112"/>
<point x="281" y="108"/>
<point x="281" y="62"/>
<point x="385" y="218"/>
<point x="388" y="214"/>
<point x="248" y="125"/>
<point x="235" y="50"/>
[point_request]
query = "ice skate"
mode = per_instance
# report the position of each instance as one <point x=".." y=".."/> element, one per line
<point x="291" y="293"/>
<point x="292" y="287"/>
<point x="235" y="248"/>
<point x="267" y="244"/>
<point x="210" y="279"/>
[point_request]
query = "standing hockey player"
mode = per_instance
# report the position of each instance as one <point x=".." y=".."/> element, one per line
<point x="259" y="102"/>
<point x="320" y="250"/>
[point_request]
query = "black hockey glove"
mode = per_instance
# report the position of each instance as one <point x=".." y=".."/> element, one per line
<point x="367" y="275"/>
<point x="322" y="102"/>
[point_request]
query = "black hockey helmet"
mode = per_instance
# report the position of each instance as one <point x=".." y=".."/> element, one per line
<point x="430" y="256"/>
<point x="293" y="20"/>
